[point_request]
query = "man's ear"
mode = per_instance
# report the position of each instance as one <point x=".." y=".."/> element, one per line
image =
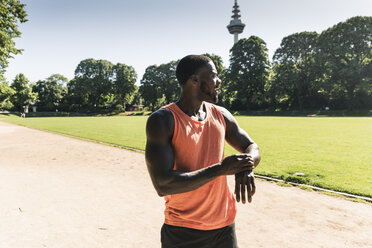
<point x="194" y="78"/>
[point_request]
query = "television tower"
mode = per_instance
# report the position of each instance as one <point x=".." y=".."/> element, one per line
<point x="236" y="26"/>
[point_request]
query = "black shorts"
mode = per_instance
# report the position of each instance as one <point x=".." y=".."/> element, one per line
<point x="183" y="237"/>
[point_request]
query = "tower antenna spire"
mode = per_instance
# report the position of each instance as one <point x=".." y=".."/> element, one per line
<point x="236" y="26"/>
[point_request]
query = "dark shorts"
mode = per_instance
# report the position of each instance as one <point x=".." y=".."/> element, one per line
<point x="183" y="237"/>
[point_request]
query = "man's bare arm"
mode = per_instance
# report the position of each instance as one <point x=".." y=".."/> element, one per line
<point x="160" y="160"/>
<point x="240" y="140"/>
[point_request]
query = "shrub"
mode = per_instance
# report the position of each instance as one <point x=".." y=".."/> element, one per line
<point x="119" y="108"/>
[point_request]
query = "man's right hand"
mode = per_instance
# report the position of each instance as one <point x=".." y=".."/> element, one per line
<point x="237" y="163"/>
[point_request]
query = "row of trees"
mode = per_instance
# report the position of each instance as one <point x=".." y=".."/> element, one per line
<point x="333" y="68"/>
<point x="308" y="71"/>
<point x="98" y="85"/>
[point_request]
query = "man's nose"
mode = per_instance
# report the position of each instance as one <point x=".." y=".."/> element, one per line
<point x="218" y="82"/>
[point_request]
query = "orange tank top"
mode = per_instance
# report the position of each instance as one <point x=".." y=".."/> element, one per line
<point x="198" y="144"/>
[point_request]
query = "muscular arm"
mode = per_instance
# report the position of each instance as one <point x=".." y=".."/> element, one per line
<point x="160" y="160"/>
<point x="240" y="140"/>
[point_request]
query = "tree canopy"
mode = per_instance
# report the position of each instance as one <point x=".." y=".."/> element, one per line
<point x="23" y="95"/>
<point x="51" y="92"/>
<point x="159" y="85"/>
<point x="11" y="14"/>
<point x="5" y="94"/>
<point x="295" y="82"/>
<point x="124" y="80"/>
<point x="345" y="51"/>
<point x="99" y="84"/>
<point x="248" y="73"/>
<point x="309" y="71"/>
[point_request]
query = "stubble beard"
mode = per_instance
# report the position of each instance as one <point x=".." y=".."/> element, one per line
<point x="206" y="95"/>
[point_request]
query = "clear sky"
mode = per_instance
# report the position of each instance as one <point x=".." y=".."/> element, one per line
<point x="61" y="33"/>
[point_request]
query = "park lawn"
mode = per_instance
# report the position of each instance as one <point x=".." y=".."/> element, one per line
<point x="123" y="131"/>
<point x="333" y="152"/>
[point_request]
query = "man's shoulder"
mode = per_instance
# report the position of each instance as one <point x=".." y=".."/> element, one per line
<point x="227" y="116"/>
<point x="161" y="121"/>
<point x="225" y="113"/>
<point x="161" y="116"/>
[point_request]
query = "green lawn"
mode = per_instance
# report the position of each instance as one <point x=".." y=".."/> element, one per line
<point x="333" y="152"/>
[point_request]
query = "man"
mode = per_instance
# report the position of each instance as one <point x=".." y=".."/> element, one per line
<point x="185" y="159"/>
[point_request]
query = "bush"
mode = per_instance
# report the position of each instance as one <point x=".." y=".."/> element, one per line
<point x="74" y="107"/>
<point x="6" y="104"/>
<point x="119" y="108"/>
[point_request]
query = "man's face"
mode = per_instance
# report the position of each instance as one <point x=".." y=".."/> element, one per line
<point x="209" y="83"/>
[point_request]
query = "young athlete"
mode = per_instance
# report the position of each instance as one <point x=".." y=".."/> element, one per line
<point x="185" y="159"/>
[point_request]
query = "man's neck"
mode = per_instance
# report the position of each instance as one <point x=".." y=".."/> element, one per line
<point x="191" y="107"/>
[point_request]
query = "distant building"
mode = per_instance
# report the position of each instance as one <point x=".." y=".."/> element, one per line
<point x="236" y="26"/>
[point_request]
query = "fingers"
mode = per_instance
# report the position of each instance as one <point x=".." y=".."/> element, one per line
<point x="242" y="155"/>
<point x="245" y="186"/>
<point x="253" y="185"/>
<point x="246" y="167"/>
<point x="247" y="164"/>
<point x="249" y="190"/>
<point x="249" y="161"/>
<point x="237" y="163"/>
<point x="237" y="190"/>
<point x="242" y="189"/>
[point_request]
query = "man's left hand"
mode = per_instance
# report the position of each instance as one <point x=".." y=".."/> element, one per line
<point x="244" y="185"/>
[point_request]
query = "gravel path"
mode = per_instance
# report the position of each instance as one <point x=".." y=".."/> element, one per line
<point x="57" y="191"/>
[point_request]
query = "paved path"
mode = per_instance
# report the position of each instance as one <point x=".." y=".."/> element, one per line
<point x="57" y="191"/>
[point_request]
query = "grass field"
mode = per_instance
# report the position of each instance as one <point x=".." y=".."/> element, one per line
<point x="333" y="152"/>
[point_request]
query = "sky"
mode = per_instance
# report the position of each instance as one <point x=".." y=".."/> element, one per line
<point x="140" y="33"/>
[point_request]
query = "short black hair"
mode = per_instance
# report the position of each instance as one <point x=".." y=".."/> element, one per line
<point x="190" y="65"/>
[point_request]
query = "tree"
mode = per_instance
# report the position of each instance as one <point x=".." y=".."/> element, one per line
<point x="248" y="74"/>
<point x="148" y="86"/>
<point x="345" y="52"/>
<point x="77" y="97"/>
<point x="124" y="87"/>
<point x="5" y="94"/>
<point x="11" y="13"/>
<point x="159" y="84"/>
<point x="167" y="81"/>
<point x="92" y="82"/>
<point x="295" y="81"/>
<point x="51" y="92"/>
<point x="98" y="84"/>
<point x="23" y="93"/>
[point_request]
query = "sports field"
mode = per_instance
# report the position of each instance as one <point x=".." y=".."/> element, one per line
<point x="332" y="152"/>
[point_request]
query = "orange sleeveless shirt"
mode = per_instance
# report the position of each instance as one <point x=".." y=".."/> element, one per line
<point x="198" y="144"/>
